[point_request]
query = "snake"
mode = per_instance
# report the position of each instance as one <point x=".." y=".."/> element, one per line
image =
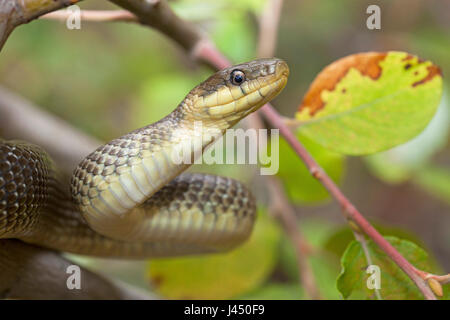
<point x="129" y="198"/>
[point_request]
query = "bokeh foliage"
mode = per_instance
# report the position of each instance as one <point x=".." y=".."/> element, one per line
<point x="107" y="79"/>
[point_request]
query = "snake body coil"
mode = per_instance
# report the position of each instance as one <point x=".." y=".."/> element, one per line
<point x="133" y="198"/>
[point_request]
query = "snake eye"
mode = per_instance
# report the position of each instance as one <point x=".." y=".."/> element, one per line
<point x="237" y="77"/>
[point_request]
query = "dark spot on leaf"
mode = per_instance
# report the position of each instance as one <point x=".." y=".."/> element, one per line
<point x="408" y="57"/>
<point x="344" y="90"/>
<point x="157" y="280"/>
<point x="366" y="63"/>
<point x="432" y="72"/>
<point x="407" y="66"/>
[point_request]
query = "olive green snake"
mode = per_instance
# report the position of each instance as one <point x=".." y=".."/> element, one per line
<point x="128" y="198"/>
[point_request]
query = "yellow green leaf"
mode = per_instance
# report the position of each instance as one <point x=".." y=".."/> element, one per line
<point x="395" y="284"/>
<point x="369" y="102"/>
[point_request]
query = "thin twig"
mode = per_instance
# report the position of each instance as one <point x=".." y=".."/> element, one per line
<point x="279" y="205"/>
<point x="347" y="207"/>
<point x="268" y="28"/>
<point x="282" y="210"/>
<point x="213" y="56"/>
<point x="286" y="216"/>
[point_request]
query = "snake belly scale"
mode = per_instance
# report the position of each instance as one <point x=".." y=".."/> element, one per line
<point x="129" y="198"/>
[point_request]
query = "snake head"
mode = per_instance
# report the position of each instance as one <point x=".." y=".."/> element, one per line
<point x="232" y="93"/>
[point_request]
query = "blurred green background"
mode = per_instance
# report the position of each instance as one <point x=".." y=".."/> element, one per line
<point x="109" y="78"/>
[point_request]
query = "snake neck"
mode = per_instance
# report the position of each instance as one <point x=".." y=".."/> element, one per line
<point x="123" y="173"/>
<point x="126" y="191"/>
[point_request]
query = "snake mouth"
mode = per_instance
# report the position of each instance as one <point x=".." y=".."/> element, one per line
<point x="234" y="102"/>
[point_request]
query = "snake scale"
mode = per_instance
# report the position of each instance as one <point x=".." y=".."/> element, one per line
<point x="127" y="199"/>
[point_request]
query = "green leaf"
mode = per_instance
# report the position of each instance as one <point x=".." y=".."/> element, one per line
<point x="395" y="284"/>
<point x="407" y="160"/>
<point x="300" y="186"/>
<point x="369" y="102"/>
<point x="220" y="276"/>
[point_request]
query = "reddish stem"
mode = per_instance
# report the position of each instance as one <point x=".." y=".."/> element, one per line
<point x="350" y="211"/>
<point x="206" y="51"/>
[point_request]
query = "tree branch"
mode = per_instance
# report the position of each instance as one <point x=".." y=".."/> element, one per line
<point x="14" y="13"/>
<point x="279" y="204"/>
